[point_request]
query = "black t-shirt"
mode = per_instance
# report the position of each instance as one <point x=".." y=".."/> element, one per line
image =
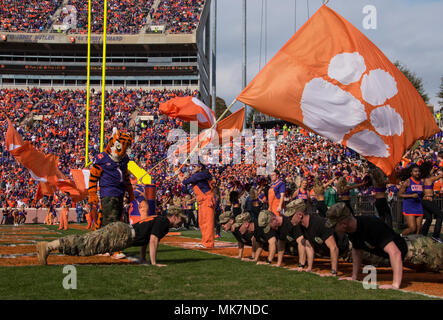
<point x="245" y="238"/>
<point x="260" y="235"/>
<point x="236" y="211"/>
<point x="287" y="231"/>
<point x="159" y="227"/>
<point x="316" y="233"/>
<point x="372" y="235"/>
<point x="255" y="211"/>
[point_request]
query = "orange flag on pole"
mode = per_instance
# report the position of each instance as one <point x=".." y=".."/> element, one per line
<point x="189" y="109"/>
<point x="332" y="80"/>
<point x="230" y="126"/>
<point x="42" y="167"/>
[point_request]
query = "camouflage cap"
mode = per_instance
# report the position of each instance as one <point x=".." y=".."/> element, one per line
<point x="295" y="206"/>
<point x="264" y="218"/>
<point x="423" y="251"/>
<point x="242" y="218"/>
<point x="177" y="211"/>
<point x="225" y="217"/>
<point x="337" y="212"/>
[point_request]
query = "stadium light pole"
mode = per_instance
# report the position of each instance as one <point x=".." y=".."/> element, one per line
<point x="244" y="60"/>
<point x="214" y="58"/>
<point x="295" y="16"/>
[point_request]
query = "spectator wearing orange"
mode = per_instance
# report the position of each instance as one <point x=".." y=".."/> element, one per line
<point x="276" y="194"/>
<point x="64" y="214"/>
<point x="201" y="184"/>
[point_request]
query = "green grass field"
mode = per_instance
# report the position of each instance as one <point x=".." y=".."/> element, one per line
<point x="189" y="275"/>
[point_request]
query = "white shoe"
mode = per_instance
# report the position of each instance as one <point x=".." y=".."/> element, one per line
<point x="104" y="254"/>
<point x="119" y="255"/>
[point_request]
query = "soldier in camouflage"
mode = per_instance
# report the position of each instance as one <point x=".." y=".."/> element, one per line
<point x="233" y="224"/>
<point x="117" y="236"/>
<point x="317" y="238"/>
<point x="370" y="234"/>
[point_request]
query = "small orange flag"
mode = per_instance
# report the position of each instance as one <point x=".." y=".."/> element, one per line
<point x="189" y="109"/>
<point x="332" y="80"/>
<point x="230" y="126"/>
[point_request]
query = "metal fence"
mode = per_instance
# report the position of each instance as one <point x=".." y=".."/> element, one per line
<point x="366" y="205"/>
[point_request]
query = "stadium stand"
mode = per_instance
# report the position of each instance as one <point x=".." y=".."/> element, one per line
<point x="124" y="16"/>
<point x="27" y="15"/>
<point x="179" y="16"/>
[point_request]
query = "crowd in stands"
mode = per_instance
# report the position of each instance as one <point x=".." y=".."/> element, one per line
<point x="179" y="16"/>
<point x="300" y="155"/>
<point x="123" y="16"/>
<point x="62" y="130"/>
<point x="27" y="15"/>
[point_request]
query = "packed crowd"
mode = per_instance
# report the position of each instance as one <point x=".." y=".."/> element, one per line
<point x="27" y="15"/>
<point x="179" y="16"/>
<point x="303" y="159"/>
<point x="62" y="129"/>
<point x="124" y="16"/>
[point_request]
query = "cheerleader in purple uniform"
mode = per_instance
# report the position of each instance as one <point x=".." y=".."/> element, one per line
<point x="411" y="191"/>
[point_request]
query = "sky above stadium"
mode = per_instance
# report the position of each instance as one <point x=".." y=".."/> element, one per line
<point x="409" y="31"/>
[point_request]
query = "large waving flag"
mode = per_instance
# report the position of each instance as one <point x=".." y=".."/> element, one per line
<point x="44" y="189"/>
<point x="331" y="79"/>
<point x="229" y="127"/>
<point x="42" y="167"/>
<point x="189" y="109"/>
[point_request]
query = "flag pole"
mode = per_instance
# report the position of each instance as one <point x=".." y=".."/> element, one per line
<point x="214" y="58"/>
<point x="206" y="133"/>
<point x="161" y="161"/>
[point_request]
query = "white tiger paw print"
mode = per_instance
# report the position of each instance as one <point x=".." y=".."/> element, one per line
<point x="334" y="112"/>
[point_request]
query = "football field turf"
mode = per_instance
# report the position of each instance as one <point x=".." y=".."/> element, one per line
<point x="190" y="274"/>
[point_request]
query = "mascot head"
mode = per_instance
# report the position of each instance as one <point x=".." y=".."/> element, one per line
<point x="119" y="144"/>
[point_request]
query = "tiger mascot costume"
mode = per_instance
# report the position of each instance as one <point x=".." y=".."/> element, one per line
<point x="110" y="169"/>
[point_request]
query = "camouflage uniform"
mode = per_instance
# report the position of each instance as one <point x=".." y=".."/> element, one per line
<point x="113" y="206"/>
<point x="422" y="252"/>
<point x="225" y="217"/>
<point x="113" y="237"/>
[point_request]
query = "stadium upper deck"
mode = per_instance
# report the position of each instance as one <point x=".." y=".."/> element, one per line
<point x="124" y="16"/>
<point x="151" y="44"/>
